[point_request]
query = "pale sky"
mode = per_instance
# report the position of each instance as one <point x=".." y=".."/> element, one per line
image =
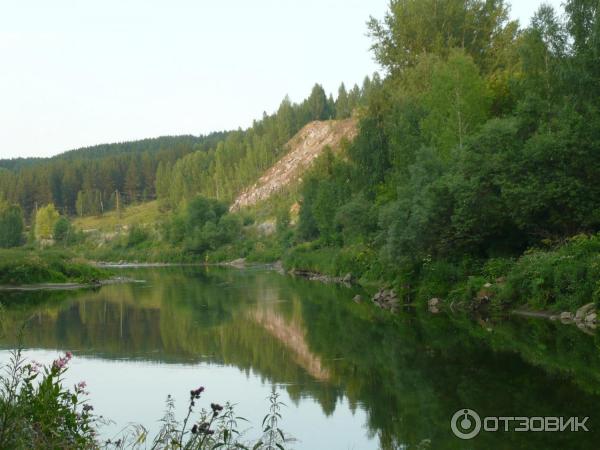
<point x="75" y="73"/>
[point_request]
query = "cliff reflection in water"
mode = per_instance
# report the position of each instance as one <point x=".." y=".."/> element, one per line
<point x="409" y="373"/>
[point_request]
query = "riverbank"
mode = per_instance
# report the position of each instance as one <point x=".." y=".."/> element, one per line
<point x="49" y="267"/>
<point x="558" y="279"/>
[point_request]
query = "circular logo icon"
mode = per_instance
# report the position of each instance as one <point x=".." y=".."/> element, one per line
<point x="465" y="424"/>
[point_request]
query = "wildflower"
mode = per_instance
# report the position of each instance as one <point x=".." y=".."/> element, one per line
<point x="195" y="393"/>
<point x="80" y="388"/>
<point x="34" y="367"/>
<point x="62" y="362"/>
<point x="87" y="408"/>
<point x="216" y="408"/>
<point x="204" y="428"/>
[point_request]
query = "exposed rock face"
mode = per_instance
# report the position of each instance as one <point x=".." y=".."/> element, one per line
<point x="303" y="148"/>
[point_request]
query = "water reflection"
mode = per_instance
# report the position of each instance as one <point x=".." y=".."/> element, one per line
<point x="405" y="375"/>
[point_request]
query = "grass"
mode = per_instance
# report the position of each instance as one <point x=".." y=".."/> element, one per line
<point x="27" y="266"/>
<point x="143" y="213"/>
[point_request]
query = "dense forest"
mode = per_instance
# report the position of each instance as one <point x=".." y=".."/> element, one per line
<point x="90" y="180"/>
<point x="483" y="140"/>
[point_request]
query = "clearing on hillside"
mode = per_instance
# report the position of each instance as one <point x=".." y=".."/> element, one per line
<point x="304" y="147"/>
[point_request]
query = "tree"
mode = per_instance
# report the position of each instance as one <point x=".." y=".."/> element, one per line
<point x="458" y="101"/>
<point x="63" y="230"/>
<point x="317" y="103"/>
<point x="342" y="107"/>
<point x="45" y="219"/>
<point x="11" y="225"/>
<point x="415" y="27"/>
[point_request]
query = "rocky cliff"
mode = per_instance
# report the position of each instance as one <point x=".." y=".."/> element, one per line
<point x="303" y="149"/>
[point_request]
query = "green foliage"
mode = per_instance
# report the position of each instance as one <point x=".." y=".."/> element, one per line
<point x="414" y="27"/>
<point x="11" y="225"/>
<point x="136" y="236"/>
<point x="63" y="231"/>
<point x="457" y="102"/>
<point x="45" y="219"/>
<point x="560" y="279"/>
<point x="22" y="266"/>
<point x="36" y="411"/>
<point x="203" y="224"/>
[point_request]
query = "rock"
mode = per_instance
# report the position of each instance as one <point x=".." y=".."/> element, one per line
<point x="433" y="302"/>
<point x="386" y="299"/>
<point x="347" y="278"/>
<point x="591" y="318"/>
<point x="583" y="311"/>
<point x="487" y="285"/>
<point x="501" y="280"/>
<point x="357" y="299"/>
<point x="566" y="316"/>
<point x="434" y="309"/>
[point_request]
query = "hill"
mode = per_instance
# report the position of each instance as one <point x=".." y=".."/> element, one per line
<point x="303" y="149"/>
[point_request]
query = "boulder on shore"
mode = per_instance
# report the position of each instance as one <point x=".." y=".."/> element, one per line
<point x="566" y="316"/>
<point x="386" y="299"/>
<point x="584" y="311"/>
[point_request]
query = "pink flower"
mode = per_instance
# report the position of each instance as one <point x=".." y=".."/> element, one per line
<point x="80" y="388"/>
<point x="62" y="362"/>
<point x="34" y="367"/>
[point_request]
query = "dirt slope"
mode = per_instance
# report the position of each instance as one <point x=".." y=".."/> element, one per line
<point x="303" y="148"/>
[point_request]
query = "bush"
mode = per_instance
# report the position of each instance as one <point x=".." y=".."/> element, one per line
<point x="36" y="411"/>
<point x="560" y="279"/>
<point x="63" y="231"/>
<point x="136" y="236"/>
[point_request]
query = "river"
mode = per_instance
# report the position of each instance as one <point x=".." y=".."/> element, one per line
<point x="351" y="376"/>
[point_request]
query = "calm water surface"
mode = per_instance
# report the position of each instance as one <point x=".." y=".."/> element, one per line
<point x="351" y="376"/>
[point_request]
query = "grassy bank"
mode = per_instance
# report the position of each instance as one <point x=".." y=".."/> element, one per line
<point x="28" y="266"/>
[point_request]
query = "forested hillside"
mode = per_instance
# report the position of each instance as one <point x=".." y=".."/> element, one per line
<point x="482" y="142"/>
<point x="90" y="181"/>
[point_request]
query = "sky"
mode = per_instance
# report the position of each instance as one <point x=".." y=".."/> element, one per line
<point x="74" y="74"/>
